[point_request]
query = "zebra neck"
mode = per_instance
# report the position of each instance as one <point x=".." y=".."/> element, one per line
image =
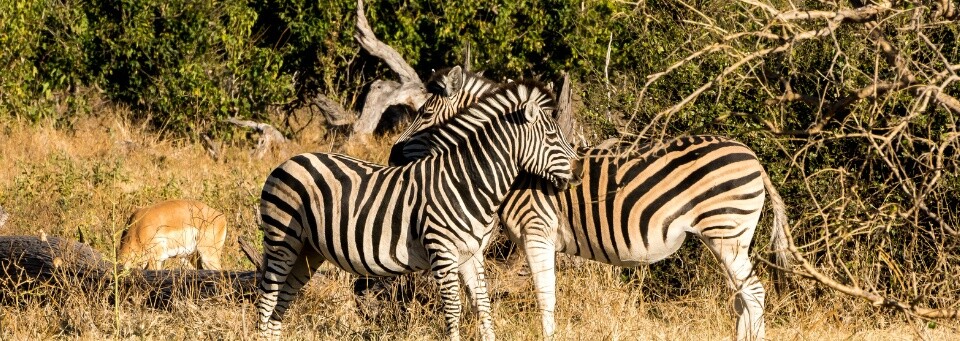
<point x="488" y="171"/>
<point x="478" y="171"/>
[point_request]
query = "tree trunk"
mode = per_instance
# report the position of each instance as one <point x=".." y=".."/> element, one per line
<point x="409" y="92"/>
<point x="565" y="117"/>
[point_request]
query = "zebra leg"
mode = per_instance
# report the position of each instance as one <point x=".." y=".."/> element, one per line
<point x="445" y="272"/>
<point x="541" y="257"/>
<point x="472" y="275"/>
<point x="285" y="270"/>
<point x="733" y="254"/>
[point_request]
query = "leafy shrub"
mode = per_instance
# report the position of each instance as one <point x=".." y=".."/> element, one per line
<point x="191" y="62"/>
<point x="42" y="52"/>
<point x="183" y="64"/>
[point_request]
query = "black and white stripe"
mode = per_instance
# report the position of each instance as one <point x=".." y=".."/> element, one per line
<point x="434" y="213"/>
<point x="636" y="206"/>
<point x="451" y="90"/>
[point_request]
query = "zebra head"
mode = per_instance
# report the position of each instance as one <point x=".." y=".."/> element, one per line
<point x="544" y="150"/>
<point x="451" y="90"/>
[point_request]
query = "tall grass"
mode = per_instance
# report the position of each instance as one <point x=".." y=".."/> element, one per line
<point x="81" y="183"/>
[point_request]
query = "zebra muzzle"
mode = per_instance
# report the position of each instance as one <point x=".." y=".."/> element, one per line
<point x="576" y="172"/>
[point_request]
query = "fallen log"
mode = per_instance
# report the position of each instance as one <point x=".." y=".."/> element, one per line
<point x="28" y="263"/>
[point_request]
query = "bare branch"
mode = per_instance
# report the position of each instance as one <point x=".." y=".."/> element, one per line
<point x="855" y="291"/>
<point x="838" y="110"/>
<point x="374" y="46"/>
<point x="268" y="135"/>
<point x="383" y="94"/>
<point x="857" y="15"/>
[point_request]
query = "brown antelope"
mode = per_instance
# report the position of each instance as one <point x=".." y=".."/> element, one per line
<point x="173" y="228"/>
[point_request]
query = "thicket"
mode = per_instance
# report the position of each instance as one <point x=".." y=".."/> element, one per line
<point x="850" y="105"/>
<point x="185" y="65"/>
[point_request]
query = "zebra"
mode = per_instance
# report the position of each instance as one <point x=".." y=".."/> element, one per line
<point x="435" y="213"/>
<point x="455" y="88"/>
<point x="635" y="206"/>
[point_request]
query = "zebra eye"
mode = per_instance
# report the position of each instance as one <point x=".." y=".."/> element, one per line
<point x="551" y="132"/>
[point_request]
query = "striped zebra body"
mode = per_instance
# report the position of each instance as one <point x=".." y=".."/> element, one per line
<point x="637" y="206"/>
<point x="432" y="214"/>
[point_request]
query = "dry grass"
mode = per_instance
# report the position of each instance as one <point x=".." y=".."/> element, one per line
<point x="84" y="182"/>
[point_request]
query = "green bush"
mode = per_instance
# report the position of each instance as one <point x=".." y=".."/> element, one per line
<point x="191" y="62"/>
<point x="184" y="64"/>
<point x="42" y="54"/>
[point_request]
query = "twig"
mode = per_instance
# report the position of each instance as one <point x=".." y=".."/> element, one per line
<point x="268" y="135"/>
<point x="253" y="256"/>
<point x="855" y="291"/>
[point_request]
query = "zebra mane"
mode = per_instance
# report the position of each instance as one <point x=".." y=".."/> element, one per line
<point x="503" y="104"/>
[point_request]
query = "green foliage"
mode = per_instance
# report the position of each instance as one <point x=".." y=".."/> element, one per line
<point x="314" y="40"/>
<point x="41" y="53"/>
<point x="192" y="62"/>
<point x="185" y="64"/>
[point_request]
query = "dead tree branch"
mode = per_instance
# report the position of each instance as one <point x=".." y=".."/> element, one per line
<point x="410" y="92"/>
<point x="368" y="40"/>
<point x="837" y="110"/>
<point x="878" y="300"/>
<point x="268" y="135"/>
<point x="565" y="115"/>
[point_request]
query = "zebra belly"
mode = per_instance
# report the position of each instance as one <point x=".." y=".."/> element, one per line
<point x="657" y="250"/>
<point x="405" y="258"/>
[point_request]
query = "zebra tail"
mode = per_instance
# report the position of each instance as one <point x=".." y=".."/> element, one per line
<point x="781" y="256"/>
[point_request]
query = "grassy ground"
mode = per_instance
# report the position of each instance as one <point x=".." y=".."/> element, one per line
<point x="81" y="183"/>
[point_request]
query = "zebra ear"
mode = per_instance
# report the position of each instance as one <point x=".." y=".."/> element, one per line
<point x="454" y="80"/>
<point x="532" y="112"/>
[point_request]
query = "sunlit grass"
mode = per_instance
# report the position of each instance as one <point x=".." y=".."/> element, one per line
<point x="82" y="184"/>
